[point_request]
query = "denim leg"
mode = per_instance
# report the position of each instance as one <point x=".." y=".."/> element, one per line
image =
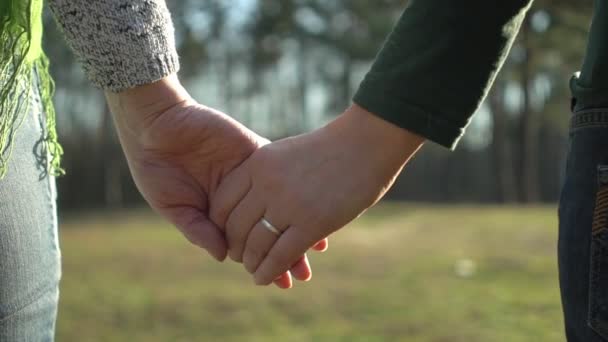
<point x="29" y="248"/>
<point x="583" y="229"/>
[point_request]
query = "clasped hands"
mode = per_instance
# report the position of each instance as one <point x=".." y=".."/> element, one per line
<point x="215" y="180"/>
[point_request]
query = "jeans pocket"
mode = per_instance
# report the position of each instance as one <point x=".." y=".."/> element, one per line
<point x="598" y="273"/>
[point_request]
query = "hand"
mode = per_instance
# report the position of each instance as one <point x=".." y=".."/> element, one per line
<point x="178" y="151"/>
<point x="308" y="187"/>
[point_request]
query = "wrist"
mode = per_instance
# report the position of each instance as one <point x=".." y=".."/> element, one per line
<point x="379" y="140"/>
<point x="136" y="108"/>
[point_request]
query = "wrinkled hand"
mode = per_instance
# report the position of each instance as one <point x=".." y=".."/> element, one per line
<point x="178" y="151"/>
<point x="308" y="187"/>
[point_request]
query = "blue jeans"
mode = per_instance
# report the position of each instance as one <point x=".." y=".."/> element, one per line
<point x="29" y="249"/>
<point x="583" y="229"/>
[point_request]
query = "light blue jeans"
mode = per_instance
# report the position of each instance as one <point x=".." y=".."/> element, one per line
<point x="29" y="250"/>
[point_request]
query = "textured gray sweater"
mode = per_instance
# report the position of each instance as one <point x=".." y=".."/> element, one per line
<point x="120" y="43"/>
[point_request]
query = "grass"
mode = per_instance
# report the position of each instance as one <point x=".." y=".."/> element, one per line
<point x="389" y="276"/>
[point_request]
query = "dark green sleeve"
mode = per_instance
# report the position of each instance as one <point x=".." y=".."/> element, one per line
<point x="591" y="88"/>
<point x="438" y="64"/>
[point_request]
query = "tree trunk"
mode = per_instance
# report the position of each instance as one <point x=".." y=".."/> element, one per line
<point x="346" y="81"/>
<point x="111" y="162"/>
<point x="501" y="149"/>
<point x="303" y="123"/>
<point x="529" y="128"/>
<point x="227" y="80"/>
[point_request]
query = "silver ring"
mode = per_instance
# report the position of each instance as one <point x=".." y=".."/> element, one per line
<point x="270" y="227"/>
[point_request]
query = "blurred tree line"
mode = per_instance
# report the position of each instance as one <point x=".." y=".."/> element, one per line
<point x="283" y="67"/>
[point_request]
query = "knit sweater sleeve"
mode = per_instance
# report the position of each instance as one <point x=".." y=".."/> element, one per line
<point x="120" y="43"/>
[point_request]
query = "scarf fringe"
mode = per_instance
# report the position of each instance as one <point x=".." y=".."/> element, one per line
<point x="18" y="80"/>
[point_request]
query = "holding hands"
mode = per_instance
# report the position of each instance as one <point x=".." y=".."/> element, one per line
<point x="232" y="193"/>
<point x="178" y="152"/>
<point x="293" y="193"/>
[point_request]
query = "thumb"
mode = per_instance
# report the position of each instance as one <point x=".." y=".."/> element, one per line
<point x="200" y="231"/>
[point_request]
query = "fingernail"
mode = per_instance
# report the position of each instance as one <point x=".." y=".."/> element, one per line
<point x="235" y="257"/>
<point x="258" y="283"/>
<point x="217" y="255"/>
<point x="258" y="280"/>
<point x="222" y="258"/>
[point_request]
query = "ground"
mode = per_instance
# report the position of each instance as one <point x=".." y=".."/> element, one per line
<point x="402" y="272"/>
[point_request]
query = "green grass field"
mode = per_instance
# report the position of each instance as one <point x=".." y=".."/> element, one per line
<point x="392" y="275"/>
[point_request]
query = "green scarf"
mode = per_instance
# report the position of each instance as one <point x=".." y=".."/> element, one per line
<point x="20" y="54"/>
